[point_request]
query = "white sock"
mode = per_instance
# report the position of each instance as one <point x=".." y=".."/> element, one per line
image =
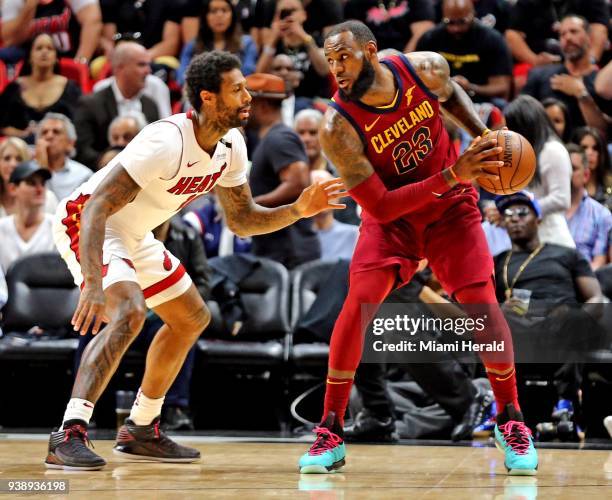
<point x="80" y="409"/>
<point x="145" y="409"/>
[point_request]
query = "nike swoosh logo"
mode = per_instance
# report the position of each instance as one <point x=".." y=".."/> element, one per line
<point x="369" y="127"/>
<point x="336" y="383"/>
<point x="192" y="164"/>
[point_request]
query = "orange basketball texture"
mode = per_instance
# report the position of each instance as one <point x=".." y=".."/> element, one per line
<point x="519" y="164"/>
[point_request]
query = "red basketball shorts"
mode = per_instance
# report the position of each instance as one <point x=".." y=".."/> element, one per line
<point x="447" y="232"/>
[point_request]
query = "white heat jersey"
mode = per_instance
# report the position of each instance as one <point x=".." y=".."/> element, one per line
<point x="165" y="160"/>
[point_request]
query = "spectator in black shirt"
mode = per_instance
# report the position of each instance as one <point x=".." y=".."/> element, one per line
<point x="478" y="57"/>
<point x="396" y="24"/>
<point x="279" y="173"/>
<point x="555" y="278"/>
<point x="532" y="32"/>
<point x="316" y="24"/>
<point x="38" y="90"/>
<point x="554" y="274"/>
<point x="491" y="13"/>
<point x="287" y="35"/>
<point x="153" y="23"/>
<point x="573" y="81"/>
<point x="74" y="25"/>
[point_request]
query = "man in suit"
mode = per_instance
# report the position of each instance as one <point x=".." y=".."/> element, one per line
<point x="131" y="65"/>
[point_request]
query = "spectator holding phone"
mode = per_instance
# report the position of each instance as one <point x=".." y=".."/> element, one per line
<point x="288" y="36"/>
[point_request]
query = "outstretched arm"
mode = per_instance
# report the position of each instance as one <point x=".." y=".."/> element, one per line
<point x="245" y="218"/>
<point x="344" y="149"/>
<point x="434" y="71"/>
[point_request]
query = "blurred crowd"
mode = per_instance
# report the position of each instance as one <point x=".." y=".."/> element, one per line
<point x="80" y="78"/>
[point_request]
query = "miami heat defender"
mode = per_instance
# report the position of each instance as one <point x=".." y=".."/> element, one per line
<point x="385" y="136"/>
<point x="103" y="231"/>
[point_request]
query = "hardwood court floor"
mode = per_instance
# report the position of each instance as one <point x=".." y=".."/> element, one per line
<point x="247" y="470"/>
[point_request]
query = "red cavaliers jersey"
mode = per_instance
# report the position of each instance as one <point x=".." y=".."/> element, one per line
<point x="405" y="141"/>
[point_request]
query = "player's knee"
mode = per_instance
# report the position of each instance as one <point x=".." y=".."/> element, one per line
<point x="203" y="319"/>
<point x="197" y="321"/>
<point x="134" y="317"/>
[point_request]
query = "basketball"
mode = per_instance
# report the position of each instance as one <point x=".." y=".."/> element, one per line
<point x="519" y="164"/>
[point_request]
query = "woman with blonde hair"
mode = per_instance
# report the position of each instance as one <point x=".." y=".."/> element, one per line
<point x="12" y="152"/>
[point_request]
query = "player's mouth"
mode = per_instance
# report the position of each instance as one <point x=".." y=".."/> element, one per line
<point x="245" y="113"/>
<point x="343" y="83"/>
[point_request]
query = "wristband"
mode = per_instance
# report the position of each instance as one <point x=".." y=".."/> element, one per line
<point x="268" y="50"/>
<point x="452" y="171"/>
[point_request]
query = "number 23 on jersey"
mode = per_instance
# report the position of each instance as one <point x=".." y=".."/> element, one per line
<point x="407" y="154"/>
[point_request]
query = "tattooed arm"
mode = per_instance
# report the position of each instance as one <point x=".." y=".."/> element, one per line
<point x="113" y="193"/>
<point x="245" y="218"/>
<point x="343" y="147"/>
<point x="433" y="70"/>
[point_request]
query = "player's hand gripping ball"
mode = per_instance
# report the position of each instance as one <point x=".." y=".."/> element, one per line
<point x="519" y="164"/>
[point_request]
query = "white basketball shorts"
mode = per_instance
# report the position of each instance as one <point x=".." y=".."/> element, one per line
<point x="160" y="275"/>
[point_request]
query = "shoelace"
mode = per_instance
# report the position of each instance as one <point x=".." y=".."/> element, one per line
<point x="326" y="440"/>
<point x="79" y="432"/>
<point x="516" y="435"/>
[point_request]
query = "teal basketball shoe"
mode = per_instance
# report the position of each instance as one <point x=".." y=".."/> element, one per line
<point x="328" y="453"/>
<point x="513" y="438"/>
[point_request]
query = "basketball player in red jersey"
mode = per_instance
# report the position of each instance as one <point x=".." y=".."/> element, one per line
<point x="384" y="133"/>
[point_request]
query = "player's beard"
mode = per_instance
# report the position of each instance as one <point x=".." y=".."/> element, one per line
<point x="229" y="118"/>
<point x="364" y="81"/>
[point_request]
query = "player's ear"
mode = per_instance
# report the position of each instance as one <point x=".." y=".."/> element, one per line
<point x="207" y="97"/>
<point x="371" y="49"/>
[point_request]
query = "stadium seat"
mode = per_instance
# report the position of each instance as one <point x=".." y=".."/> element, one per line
<point x="4" y="78"/>
<point x="308" y="352"/>
<point x="255" y="358"/>
<point x="76" y="71"/>
<point x="71" y="69"/>
<point x="41" y="293"/>
<point x="262" y="339"/>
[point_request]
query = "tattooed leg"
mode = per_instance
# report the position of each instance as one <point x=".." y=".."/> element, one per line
<point x="126" y="310"/>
